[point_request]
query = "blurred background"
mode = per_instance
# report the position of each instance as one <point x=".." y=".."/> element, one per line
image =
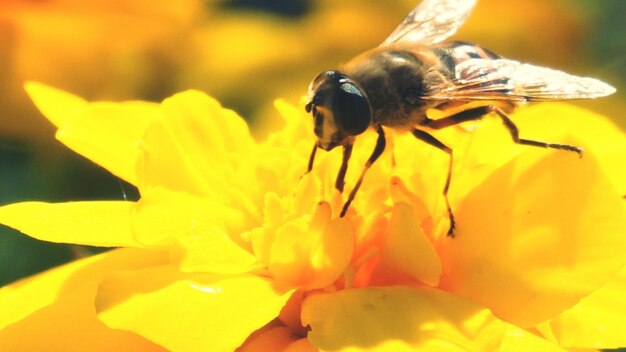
<point x="246" y="53"/>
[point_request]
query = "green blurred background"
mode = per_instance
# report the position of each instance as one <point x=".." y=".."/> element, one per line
<point x="246" y="53"/>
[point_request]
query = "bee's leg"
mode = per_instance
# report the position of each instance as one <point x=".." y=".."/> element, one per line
<point x="311" y="159"/>
<point x="347" y="152"/>
<point x="460" y="117"/>
<point x="515" y="134"/>
<point x="378" y="150"/>
<point x="423" y="136"/>
<point x="480" y="112"/>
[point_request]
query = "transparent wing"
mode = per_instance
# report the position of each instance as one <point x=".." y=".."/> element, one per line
<point x="432" y="21"/>
<point x="479" y="79"/>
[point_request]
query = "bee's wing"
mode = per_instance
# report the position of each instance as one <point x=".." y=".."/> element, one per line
<point x="480" y="79"/>
<point x="432" y="21"/>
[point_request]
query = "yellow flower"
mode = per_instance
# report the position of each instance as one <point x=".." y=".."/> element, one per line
<point x="232" y="247"/>
<point x="101" y="48"/>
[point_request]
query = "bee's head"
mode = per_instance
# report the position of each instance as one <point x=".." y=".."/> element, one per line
<point x="340" y="108"/>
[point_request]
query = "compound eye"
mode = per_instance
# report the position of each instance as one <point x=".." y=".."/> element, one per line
<point x="351" y="109"/>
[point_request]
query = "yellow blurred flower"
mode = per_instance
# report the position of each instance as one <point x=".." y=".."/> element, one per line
<point x="231" y="247"/>
<point x="101" y="48"/>
<point x="122" y="48"/>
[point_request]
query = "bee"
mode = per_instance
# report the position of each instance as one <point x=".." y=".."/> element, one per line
<point x="395" y="84"/>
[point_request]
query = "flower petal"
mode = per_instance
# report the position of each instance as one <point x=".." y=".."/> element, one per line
<point x="70" y="325"/>
<point x="215" y="252"/>
<point x="301" y="345"/>
<point x="105" y="133"/>
<point x="186" y="312"/>
<point x="58" y="106"/>
<point x="273" y="338"/>
<point x="103" y="224"/>
<point x="539" y="234"/>
<point x="204" y="235"/>
<point x="597" y="321"/>
<point x="312" y="254"/>
<point x="57" y="307"/>
<point x="407" y="319"/>
<point x="406" y="252"/>
<point x="197" y="138"/>
<point x="162" y="217"/>
<point x="516" y="339"/>
<point x="599" y="134"/>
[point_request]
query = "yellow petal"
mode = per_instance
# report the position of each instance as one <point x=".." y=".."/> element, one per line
<point x="312" y="254"/>
<point x="103" y="224"/>
<point x="540" y="233"/>
<point x="164" y="218"/>
<point x="213" y="251"/>
<point x="189" y="313"/>
<point x="105" y="133"/>
<point x="600" y="136"/>
<point x="57" y="307"/>
<point x="43" y="289"/>
<point x="516" y="339"/>
<point x="290" y="314"/>
<point x="479" y="153"/>
<point x="597" y="321"/>
<point x="301" y="345"/>
<point x="275" y="338"/>
<point x="406" y="252"/>
<point x="296" y="130"/>
<point x="204" y="235"/>
<point x="195" y="147"/>
<point x="58" y="106"/>
<point x="399" y="319"/>
<point x="70" y="324"/>
<point x="213" y="127"/>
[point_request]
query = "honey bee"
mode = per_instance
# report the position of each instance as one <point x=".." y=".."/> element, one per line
<point x="413" y="71"/>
